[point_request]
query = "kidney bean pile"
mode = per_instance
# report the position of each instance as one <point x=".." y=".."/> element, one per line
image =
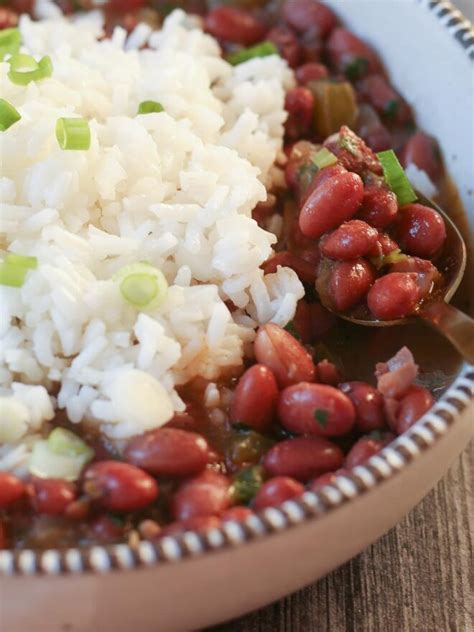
<point x="293" y="420"/>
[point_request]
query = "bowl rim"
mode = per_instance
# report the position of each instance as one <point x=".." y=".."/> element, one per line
<point x="311" y="505"/>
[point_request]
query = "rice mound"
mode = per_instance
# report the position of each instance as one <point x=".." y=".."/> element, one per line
<point x="175" y="189"/>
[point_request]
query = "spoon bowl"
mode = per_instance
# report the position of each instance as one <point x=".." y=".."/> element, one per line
<point x="435" y="310"/>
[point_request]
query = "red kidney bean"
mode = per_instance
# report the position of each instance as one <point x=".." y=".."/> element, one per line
<point x="372" y="130"/>
<point x="322" y="320"/>
<point x="305" y="270"/>
<point x="423" y="151"/>
<point x="329" y="478"/>
<point x="11" y="489"/>
<point x="52" y="495"/>
<point x="315" y="409"/>
<point x="168" y="451"/>
<point x="328" y="373"/>
<point x="427" y="273"/>
<point x="304" y="15"/>
<point x="311" y="45"/>
<point x="238" y="514"/>
<point x="276" y="491"/>
<point x="22" y="6"/>
<point x="321" y="176"/>
<point x="420" y="230"/>
<point x="349" y="283"/>
<point x="351" y="240"/>
<point x="363" y="449"/>
<point x="255" y="398"/>
<point x="284" y="355"/>
<point x="302" y="322"/>
<point x="8" y="18"/>
<point x="394" y="295"/>
<point x="78" y="509"/>
<point x="312" y="71"/>
<point x="351" y="55"/>
<point x="287" y="43"/>
<point x="302" y="458"/>
<point x="105" y="529"/>
<point x="205" y="495"/>
<point x="183" y="421"/>
<point x="331" y="203"/>
<point x="417" y="401"/>
<point x="299" y="103"/>
<point x="379" y="207"/>
<point x="234" y="25"/>
<point x="368" y="403"/>
<point x="119" y="486"/>
<point x="379" y="93"/>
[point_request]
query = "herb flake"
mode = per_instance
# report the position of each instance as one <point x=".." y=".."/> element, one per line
<point x="321" y="415"/>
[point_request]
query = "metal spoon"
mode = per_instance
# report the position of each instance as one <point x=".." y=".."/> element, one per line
<point x="456" y="326"/>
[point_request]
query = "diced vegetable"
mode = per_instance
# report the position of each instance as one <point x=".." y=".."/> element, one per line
<point x="47" y="462"/>
<point x="22" y="260"/>
<point x="8" y="115"/>
<point x="247" y="483"/>
<point x="10" y="40"/>
<point x="24" y="69"/>
<point x="12" y="275"/>
<point x="396" y="178"/>
<point x="324" y="158"/>
<point x="73" y="133"/>
<point x="260" y="50"/>
<point x="148" y="107"/>
<point x="66" y="443"/>
<point x="335" y="105"/>
<point x="385" y="260"/>
<point x="142" y="285"/>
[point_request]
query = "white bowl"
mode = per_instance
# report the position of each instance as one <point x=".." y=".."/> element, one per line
<point x="193" y="581"/>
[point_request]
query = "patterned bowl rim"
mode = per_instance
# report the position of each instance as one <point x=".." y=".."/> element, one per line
<point x="311" y="505"/>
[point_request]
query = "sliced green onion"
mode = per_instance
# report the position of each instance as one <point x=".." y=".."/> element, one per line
<point x="148" y="107"/>
<point x="357" y="68"/>
<point x="260" y="50"/>
<point x="8" y="115"/>
<point x="73" y="133"/>
<point x="24" y="69"/>
<point x="396" y="178"/>
<point x="142" y="285"/>
<point x="385" y="260"/>
<point x="66" y="443"/>
<point x="21" y="260"/>
<point x="324" y="158"/>
<point x="10" y="40"/>
<point x="12" y="275"/>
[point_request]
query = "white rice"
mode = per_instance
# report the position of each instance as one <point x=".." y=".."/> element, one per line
<point x="174" y="188"/>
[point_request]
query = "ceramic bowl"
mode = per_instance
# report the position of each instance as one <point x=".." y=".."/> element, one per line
<point x="188" y="582"/>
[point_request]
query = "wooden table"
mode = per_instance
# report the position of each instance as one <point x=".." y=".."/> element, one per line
<point x="417" y="578"/>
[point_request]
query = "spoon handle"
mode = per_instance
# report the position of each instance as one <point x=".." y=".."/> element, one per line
<point x="456" y="326"/>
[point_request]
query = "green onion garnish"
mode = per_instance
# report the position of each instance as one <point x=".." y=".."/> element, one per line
<point x="142" y="285"/>
<point x="148" y="107"/>
<point x="396" y="178"/>
<point x="73" y="133"/>
<point x="395" y="256"/>
<point x="8" y="115"/>
<point x="260" y="50"/>
<point x="10" y="40"/>
<point x="24" y="69"/>
<point x="12" y="275"/>
<point x="22" y="261"/>
<point x="324" y="158"/>
<point x="66" y="443"/>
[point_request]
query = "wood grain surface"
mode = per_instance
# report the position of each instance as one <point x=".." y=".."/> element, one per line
<point x="417" y="578"/>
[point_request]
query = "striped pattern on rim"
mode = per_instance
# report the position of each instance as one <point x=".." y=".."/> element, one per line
<point x="393" y="458"/>
<point x="456" y="23"/>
